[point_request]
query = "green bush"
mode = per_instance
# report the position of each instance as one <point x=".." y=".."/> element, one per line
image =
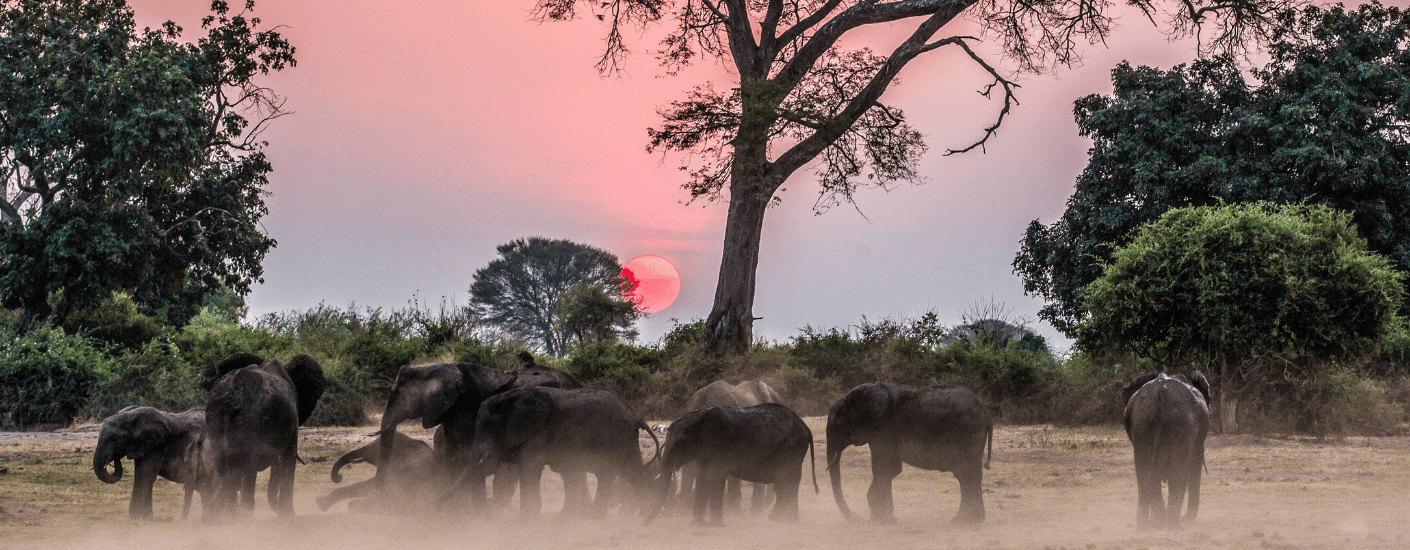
<point x="47" y="377"/>
<point x="116" y="321"/>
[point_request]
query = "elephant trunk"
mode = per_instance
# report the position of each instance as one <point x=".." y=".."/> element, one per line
<point x="101" y="458"/>
<point x="387" y="444"/>
<point x="665" y="480"/>
<point x="835" y="445"/>
<point x="352" y="457"/>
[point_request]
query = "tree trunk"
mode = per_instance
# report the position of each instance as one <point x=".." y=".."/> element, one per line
<point x="1228" y="401"/>
<point x="730" y="327"/>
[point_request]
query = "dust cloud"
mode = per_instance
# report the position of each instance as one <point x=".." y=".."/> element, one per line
<point x="1049" y="488"/>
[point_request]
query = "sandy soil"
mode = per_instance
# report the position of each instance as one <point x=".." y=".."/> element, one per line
<point x="1049" y="488"/>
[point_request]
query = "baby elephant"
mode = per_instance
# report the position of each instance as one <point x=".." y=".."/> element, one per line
<point x="415" y="472"/>
<point x="763" y="444"/>
<point x="159" y="443"/>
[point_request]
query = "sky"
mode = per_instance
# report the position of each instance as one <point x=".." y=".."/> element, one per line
<point x="425" y="133"/>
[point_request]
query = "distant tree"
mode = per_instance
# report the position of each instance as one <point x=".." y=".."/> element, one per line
<point x="1324" y="123"/>
<point x="994" y="324"/>
<point x="801" y="97"/>
<point x="1236" y="287"/>
<point x="589" y="313"/>
<point x="519" y="292"/>
<point x="130" y="160"/>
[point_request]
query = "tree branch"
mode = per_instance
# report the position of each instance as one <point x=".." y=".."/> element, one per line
<point x="1008" y="85"/>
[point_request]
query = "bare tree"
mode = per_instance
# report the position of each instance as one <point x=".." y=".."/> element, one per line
<point x="800" y="97"/>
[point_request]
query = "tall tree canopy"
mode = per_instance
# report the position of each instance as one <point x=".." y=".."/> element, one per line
<point x="801" y="97"/>
<point x="1326" y="123"/>
<point x="130" y="160"/>
<point x="1242" y="288"/>
<point x="523" y="291"/>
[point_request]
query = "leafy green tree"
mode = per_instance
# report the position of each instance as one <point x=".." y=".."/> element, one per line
<point x="1324" y="123"/>
<point x="589" y="313"/>
<point x="520" y="292"/>
<point x="131" y="160"/>
<point x="802" y="98"/>
<point x="1241" y="289"/>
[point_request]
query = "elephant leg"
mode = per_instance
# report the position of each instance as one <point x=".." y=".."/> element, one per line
<point x="530" y="501"/>
<point x="971" y="478"/>
<point x="357" y="490"/>
<point x="1147" y="488"/>
<point x="710" y="494"/>
<point x="734" y="493"/>
<point x="885" y="466"/>
<point x="606" y="496"/>
<point x="785" y="488"/>
<point x="575" y="493"/>
<point x="505" y="480"/>
<point x="688" y="475"/>
<point x="140" y="507"/>
<point x="281" y="485"/>
<point x="1196" y="475"/>
<point x="759" y="498"/>
<point x="247" y="490"/>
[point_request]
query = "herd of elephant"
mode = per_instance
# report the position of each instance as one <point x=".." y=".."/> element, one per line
<point x="509" y="425"/>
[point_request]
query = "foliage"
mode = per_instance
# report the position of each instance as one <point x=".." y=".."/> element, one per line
<point x="798" y="96"/>
<point x="1321" y="123"/>
<point x="130" y="161"/>
<point x="117" y="321"/>
<point x="1239" y="282"/>
<point x="588" y="314"/>
<point x="45" y="377"/>
<point x="520" y="291"/>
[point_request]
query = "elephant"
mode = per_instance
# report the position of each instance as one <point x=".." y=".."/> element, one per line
<point x="575" y="432"/>
<point x="723" y="394"/>
<point x="253" y="416"/>
<point x="1167" y="419"/>
<point x="941" y="427"/>
<point x="764" y="444"/>
<point x="448" y="396"/>
<point x="413" y="474"/>
<point x="160" y="444"/>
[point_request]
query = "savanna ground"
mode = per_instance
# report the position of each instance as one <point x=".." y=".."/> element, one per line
<point x="1050" y="487"/>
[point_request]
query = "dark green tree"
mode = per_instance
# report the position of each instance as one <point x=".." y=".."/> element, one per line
<point x="520" y="292"/>
<point x="589" y="313"/>
<point x="1241" y="289"/>
<point x="803" y="99"/>
<point x="131" y="160"/>
<point x="1324" y="123"/>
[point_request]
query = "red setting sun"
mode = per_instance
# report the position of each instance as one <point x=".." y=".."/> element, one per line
<point x="657" y="282"/>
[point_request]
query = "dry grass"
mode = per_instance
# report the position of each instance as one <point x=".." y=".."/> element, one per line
<point x="1049" y="488"/>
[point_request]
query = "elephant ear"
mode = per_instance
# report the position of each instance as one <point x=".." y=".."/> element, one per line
<point x="527" y="413"/>
<point x="1200" y="383"/>
<point x="442" y="391"/>
<point x="151" y="429"/>
<point x="1135" y="385"/>
<point x="309" y="383"/>
<point x="236" y="361"/>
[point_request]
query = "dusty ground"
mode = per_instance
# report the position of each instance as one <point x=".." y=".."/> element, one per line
<point x="1049" y="488"/>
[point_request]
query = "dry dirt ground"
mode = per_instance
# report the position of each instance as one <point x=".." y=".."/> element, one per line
<point x="1049" y="487"/>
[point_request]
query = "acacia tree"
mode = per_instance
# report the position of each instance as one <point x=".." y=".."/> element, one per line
<point x="130" y="161"/>
<point x="800" y="97"/>
<point x="1324" y="122"/>
<point x="1232" y="287"/>
<point x="522" y="292"/>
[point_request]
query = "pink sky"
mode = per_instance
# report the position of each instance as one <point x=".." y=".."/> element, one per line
<point x="426" y="133"/>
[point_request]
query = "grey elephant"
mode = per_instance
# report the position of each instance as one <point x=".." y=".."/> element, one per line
<point x="160" y="444"/>
<point x="413" y="475"/>
<point x="252" y="423"/>
<point x="723" y="394"/>
<point x="575" y="432"/>
<point x="1167" y="420"/>
<point x="448" y="396"/>
<point x="943" y="428"/>
<point x="763" y="444"/>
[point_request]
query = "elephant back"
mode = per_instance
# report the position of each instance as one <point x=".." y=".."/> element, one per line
<point x="309" y="383"/>
<point x="236" y="361"/>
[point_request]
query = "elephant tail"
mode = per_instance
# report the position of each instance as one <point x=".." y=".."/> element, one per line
<point x="813" y="462"/>
<point x="641" y="425"/>
<point x="991" y="447"/>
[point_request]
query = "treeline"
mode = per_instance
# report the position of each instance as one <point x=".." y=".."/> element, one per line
<point x="53" y="376"/>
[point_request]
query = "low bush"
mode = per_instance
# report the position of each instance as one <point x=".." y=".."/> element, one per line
<point x="46" y="377"/>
